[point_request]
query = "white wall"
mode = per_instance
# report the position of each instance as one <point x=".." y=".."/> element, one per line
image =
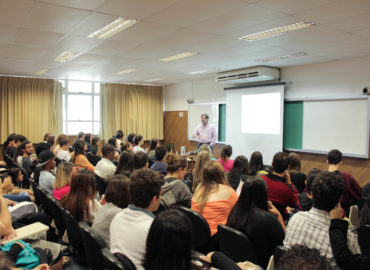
<point x="331" y="79"/>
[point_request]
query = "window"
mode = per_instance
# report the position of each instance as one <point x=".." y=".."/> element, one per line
<point x="81" y="107"/>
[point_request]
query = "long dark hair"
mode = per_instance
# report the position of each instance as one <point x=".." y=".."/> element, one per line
<point x="255" y="163"/>
<point x="253" y="198"/>
<point x="153" y="144"/>
<point x="125" y="163"/>
<point x="78" y="149"/>
<point x="365" y="213"/>
<point x="118" y="191"/>
<point x="226" y="151"/>
<point x="82" y="191"/>
<point x="168" y="245"/>
<point x="87" y="138"/>
<point x="9" y="139"/>
<point x="240" y="167"/>
<point x="130" y="138"/>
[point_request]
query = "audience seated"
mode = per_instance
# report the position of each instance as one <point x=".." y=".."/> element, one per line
<point x="7" y="188"/>
<point x="207" y="148"/>
<point x="87" y="140"/>
<point x="159" y="165"/>
<point x="17" y="141"/>
<point x="126" y="146"/>
<point x="352" y="190"/>
<point x="140" y="160"/>
<point x="305" y="198"/>
<point x="311" y="228"/>
<point x="9" y="143"/>
<point x="130" y="139"/>
<point x="17" y="179"/>
<point x="256" y="164"/>
<point x="63" y="179"/>
<point x="47" y="164"/>
<point x="96" y="146"/>
<point x="297" y="177"/>
<point x="239" y="172"/>
<point x="115" y="199"/>
<point x="79" y="157"/>
<point x="80" y="136"/>
<point x="112" y="141"/>
<point x="63" y="151"/>
<point x="130" y="227"/>
<point x="202" y="158"/>
<point x="105" y="167"/>
<point x="260" y="221"/>
<point x="214" y="198"/>
<point x="119" y="139"/>
<point x="138" y="141"/>
<point x="125" y="164"/>
<point x="81" y="200"/>
<point x="225" y="160"/>
<point x="175" y="191"/>
<point x="56" y="146"/>
<point x="365" y="213"/>
<point x="23" y="156"/>
<point x="151" y="151"/>
<point x="281" y="191"/>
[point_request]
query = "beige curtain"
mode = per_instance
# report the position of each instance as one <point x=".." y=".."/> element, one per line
<point x="30" y="106"/>
<point x="132" y="108"/>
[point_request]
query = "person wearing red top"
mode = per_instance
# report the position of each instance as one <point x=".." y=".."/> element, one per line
<point x="352" y="190"/>
<point x="281" y="191"/>
<point x="225" y="160"/>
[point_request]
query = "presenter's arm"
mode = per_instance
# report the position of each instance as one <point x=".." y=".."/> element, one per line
<point x="195" y="133"/>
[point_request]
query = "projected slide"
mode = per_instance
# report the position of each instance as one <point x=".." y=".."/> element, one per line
<point x="261" y="113"/>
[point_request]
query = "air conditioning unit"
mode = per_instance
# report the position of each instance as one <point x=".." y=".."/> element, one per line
<point x="249" y="75"/>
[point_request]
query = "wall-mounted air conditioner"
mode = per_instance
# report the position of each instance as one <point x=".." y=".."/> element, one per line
<point x="249" y="75"/>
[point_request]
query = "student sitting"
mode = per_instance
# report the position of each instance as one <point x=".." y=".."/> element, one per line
<point x="138" y="140"/>
<point x="202" y="158"/>
<point x="214" y="198"/>
<point x="17" y="141"/>
<point x="175" y="191"/>
<point x="79" y="157"/>
<point x="63" y="179"/>
<point x="281" y="190"/>
<point x="225" y="160"/>
<point x="63" y="152"/>
<point x="297" y="177"/>
<point x="130" y="227"/>
<point x="305" y="198"/>
<point x="9" y="143"/>
<point x="256" y="164"/>
<point x="239" y="172"/>
<point x="56" y="146"/>
<point x="81" y="200"/>
<point x="96" y="146"/>
<point x="47" y="164"/>
<point x="17" y="179"/>
<point x="159" y="165"/>
<point x="87" y="140"/>
<point x="115" y="199"/>
<point x="125" y="164"/>
<point x="105" y="167"/>
<point x="23" y="157"/>
<point x="140" y="160"/>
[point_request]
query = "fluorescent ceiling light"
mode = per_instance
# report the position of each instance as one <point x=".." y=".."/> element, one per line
<point x="41" y="71"/>
<point x="282" y="57"/>
<point x="125" y="71"/>
<point x="155" y="80"/>
<point x="278" y="31"/>
<point x="66" y="56"/>
<point x="178" y="56"/>
<point x="197" y="72"/>
<point x="113" y="28"/>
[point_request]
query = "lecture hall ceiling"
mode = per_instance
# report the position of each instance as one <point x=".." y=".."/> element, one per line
<point x="33" y="33"/>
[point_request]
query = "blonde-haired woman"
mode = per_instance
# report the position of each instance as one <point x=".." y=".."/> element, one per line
<point x="202" y="158"/>
<point x="213" y="197"/>
<point x="63" y="179"/>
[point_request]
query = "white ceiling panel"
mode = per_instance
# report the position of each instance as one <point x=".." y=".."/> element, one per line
<point x="365" y="33"/>
<point x="14" y="12"/>
<point x="41" y="39"/>
<point x="7" y="34"/>
<point x="134" y="9"/>
<point x="352" y="24"/>
<point x="3" y="49"/>
<point x="93" y="23"/>
<point x="54" y="18"/>
<point x="188" y="12"/>
<point x="292" y="6"/>
<point x="24" y="52"/>
<point x="10" y="66"/>
<point x="148" y="52"/>
<point x="80" y="4"/>
<point x="111" y="47"/>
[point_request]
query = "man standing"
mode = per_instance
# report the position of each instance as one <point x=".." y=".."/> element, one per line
<point x="205" y="132"/>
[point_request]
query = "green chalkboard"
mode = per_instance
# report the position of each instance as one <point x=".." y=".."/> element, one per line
<point x="293" y="125"/>
<point x="221" y="122"/>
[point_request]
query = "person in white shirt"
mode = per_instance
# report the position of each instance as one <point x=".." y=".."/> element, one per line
<point x="63" y="152"/>
<point x="105" y="167"/>
<point x="130" y="227"/>
<point x="119" y="139"/>
<point x="138" y="141"/>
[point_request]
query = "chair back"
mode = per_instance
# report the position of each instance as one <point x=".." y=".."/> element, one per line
<point x="93" y="244"/>
<point x="73" y="232"/>
<point x="200" y="228"/>
<point x="354" y="216"/>
<point x="111" y="261"/>
<point x="9" y="161"/>
<point x="93" y="159"/>
<point x="364" y="238"/>
<point x="125" y="261"/>
<point x="236" y="244"/>
<point x="45" y="202"/>
<point x="57" y="215"/>
<point x="101" y="185"/>
<point x="36" y="192"/>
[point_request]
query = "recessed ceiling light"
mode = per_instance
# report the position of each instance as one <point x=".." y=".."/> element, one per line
<point x="197" y="72"/>
<point x="155" y="80"/>
<point x="278" y="31"/>
<point x="113" y="28"/>
<point x="282" y="57"/>
<point x="41" y="71"/>
<point x="125" y="71"/>
<point x="178" y="56"/>
<point x="66" y="56"/>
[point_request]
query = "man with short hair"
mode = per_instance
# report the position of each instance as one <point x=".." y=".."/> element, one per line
<point x="159" y="165"/>
<point x="311" y="228"/>
<point x="25" y="160"/>
<point x="47" y="164"/>
<point x="281" y="191"/>
<point x="129" y="228"/>
<point x="352" y="190"/>
<point x="105" y="167"/>
<point x="138" y="141"/>
<point x="305" y="198"/>
<point x="205" y="133"/>
<point x="140" y="160"/>
<point x="80" y="136"/>
<point x="63" y="152"/>
<point x="47" y="136"/>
